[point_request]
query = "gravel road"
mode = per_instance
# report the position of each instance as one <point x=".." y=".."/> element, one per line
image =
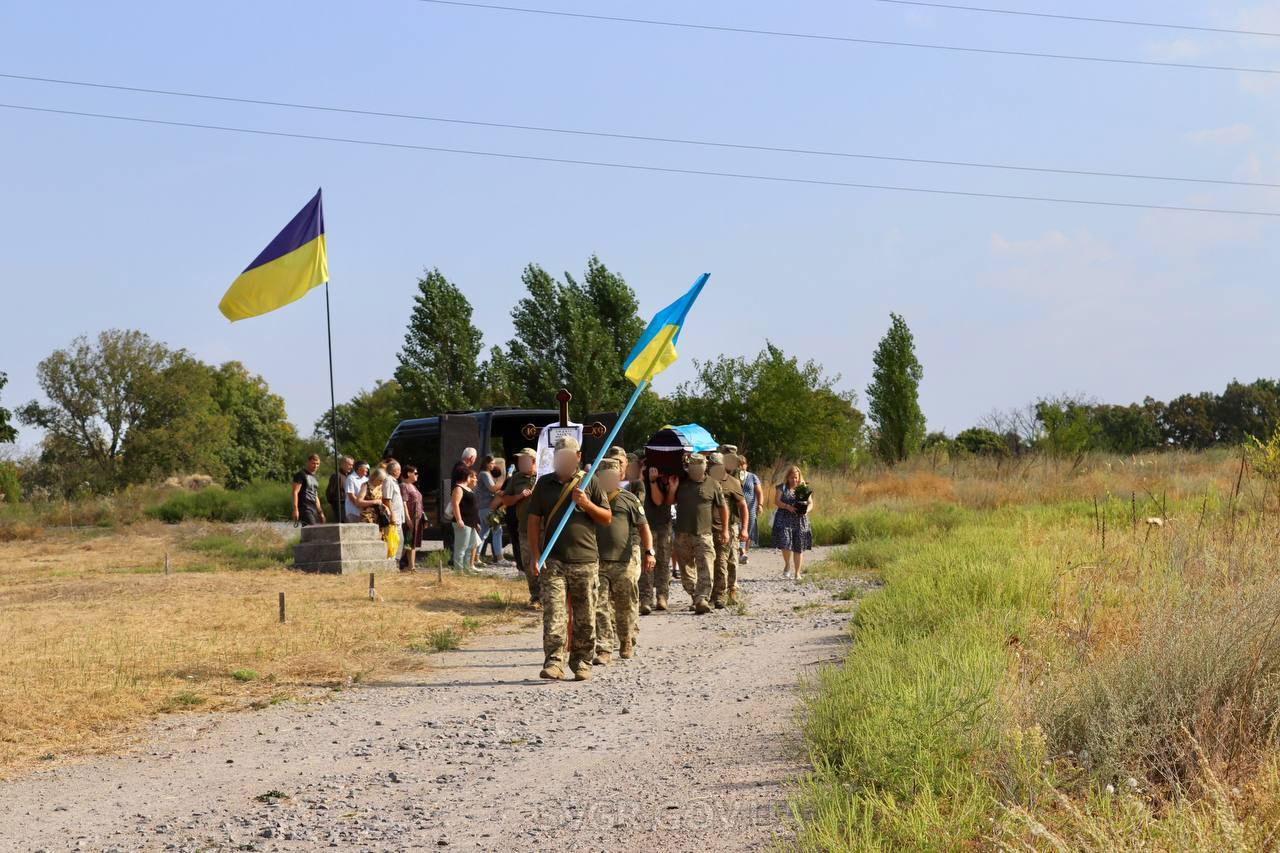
<point x="688" y="746"/>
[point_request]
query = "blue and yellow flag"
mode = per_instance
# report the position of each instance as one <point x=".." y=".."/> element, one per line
<point x="293" y="263"/>
<point x="656" y="349"/>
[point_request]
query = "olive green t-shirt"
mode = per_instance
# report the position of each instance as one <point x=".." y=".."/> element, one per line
<point x="516" y="484"/>
<point x="577" y="543"/>
<point x="732" y="488"/>
<point x="617" y="539"/>
<point x="694" y="502"/>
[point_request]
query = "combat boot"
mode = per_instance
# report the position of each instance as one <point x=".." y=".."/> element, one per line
<point x="602" y="658"/>
<point x="553" y="672"/>
<point x="700" y="606"/>
<point x="646" y="609"/>
<point x="719" y="603"/>
<point x="627" y="650"/>
<point x="582" y="672"/>
<point x="661" y="603"/>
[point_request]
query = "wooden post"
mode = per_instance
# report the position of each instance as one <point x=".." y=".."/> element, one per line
<point x="166" y="563"/>
<point x="373" y="592"/>
<point x="282" y="608"/>
<point x="1133" y="510"/>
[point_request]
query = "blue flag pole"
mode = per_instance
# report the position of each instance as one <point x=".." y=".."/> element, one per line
<point x="604" y="448"/>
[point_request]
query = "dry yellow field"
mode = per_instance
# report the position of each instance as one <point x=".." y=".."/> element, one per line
<point x="95" y="639"/>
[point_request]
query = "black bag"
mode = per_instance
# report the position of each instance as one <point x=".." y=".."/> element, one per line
<point x="382" y="515"/>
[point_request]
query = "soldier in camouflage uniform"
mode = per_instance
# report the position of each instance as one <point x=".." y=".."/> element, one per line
<point x="725" y="588"/>
<point x="618" y="594"/>
<point x="698" y="502"/>
<point x="572" y="569"/>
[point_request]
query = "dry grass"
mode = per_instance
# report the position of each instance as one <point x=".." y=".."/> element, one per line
<point x="96" y="640"/>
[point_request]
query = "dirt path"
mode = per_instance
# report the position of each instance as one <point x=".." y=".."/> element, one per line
<point x="686" y="747"/>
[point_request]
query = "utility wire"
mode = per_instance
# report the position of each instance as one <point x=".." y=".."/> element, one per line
<point x="653" y="22"/>
<point x="1122" y="21"/>
<point x="633" y="137"/>
<point x="637" y="167"/>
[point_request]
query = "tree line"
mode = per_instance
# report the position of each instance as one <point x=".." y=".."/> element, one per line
<point x="575" y="332"/>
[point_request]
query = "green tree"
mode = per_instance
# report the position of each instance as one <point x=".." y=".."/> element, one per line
<point x="1188" y="421"/>
<point x="182" y="428"/>
<point x="1245" y="411"/>
<point x="1127" y="429"/>
<point x="983" y="442"/>
<point x="96" y="391"/>
<point x="1069" y="426"/>
<point x="263" y="442"/>
<point x="773" y="407"/>
<point x="893" y="397"/>
<point x="439" y="368"/>
<point x="7" y="432"/>
<point x="365" y="422"/>
<point x="574" y="335"/>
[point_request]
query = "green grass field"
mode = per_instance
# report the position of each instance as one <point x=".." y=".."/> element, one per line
<point x="1041" y="672"/>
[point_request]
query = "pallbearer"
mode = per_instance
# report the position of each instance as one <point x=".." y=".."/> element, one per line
<point x="698" y="502"/>
<point x="573" y="566"/>
<point x="620" y="541"/>
<point x="655" y="586"/>
<point x="723" y="470"/>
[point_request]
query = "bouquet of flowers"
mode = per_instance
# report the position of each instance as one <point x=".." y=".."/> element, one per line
<point x="803" y="493"/>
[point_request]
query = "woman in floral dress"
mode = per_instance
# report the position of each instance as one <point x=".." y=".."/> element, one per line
<point x="791" y="532"/>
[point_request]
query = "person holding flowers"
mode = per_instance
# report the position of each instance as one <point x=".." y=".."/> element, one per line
<point x="791" y="532"/>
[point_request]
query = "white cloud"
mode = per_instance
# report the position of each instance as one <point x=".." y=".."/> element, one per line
<point x="1234" y="134"/>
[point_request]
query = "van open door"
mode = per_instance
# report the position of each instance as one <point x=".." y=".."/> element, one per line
<point x="457" y="433"/>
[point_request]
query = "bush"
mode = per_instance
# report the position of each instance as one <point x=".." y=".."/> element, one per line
<point x="10" y="488"/>
<point x="263" y="501"/>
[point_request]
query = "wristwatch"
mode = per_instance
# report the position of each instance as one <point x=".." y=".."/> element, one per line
<point x="649" y="552"/>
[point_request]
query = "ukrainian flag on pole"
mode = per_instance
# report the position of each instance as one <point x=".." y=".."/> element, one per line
<point x="293" y="263"/>
<point x="656" y="349"/>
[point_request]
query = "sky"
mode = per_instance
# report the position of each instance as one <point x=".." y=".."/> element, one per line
<point x="108" y="224"/>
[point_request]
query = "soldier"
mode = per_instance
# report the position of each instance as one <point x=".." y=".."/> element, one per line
<point x="515" y="493"/>
<point x="699" y="502"/>
<point x="620" y="541"/>
<point x="725" y="588"/>
<point x="573" y="566"/>
<point x="655" y="586"/>
<point x="634" y="476"/>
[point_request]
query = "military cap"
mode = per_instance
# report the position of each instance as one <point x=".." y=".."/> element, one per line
<point x="697" y="459"/>
<point x="609" y="463"/>
<point x="715" y="458"/>
<point x="568" y="442"/>
<point x="729" y="449"/>
<point x="527" y="451"/>
<point x="633" y="457"/>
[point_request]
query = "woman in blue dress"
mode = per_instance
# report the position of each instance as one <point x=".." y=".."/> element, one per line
<point x="791" y="532"/>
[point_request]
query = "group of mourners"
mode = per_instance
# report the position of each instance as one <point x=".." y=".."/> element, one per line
<point x="626" y="533"/>
<point x="623" y="535"/>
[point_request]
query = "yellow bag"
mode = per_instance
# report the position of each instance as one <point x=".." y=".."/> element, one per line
<point x="393" y="540"/>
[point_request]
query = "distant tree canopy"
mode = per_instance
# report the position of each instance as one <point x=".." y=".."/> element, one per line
<point x="124" y="408"/>
<point x="365" y="422"/>
<point x="1067" y="426"/>
<point x="774" y="408"/>
<point x="439" y="368"/>
<point x="7" y="432"/>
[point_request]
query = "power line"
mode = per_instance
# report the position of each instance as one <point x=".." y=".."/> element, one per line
<point x="1083" y="18"/>
<point x="638" y="167"/>
<point x="653" y="22"/>
<point x="633" y="137"/>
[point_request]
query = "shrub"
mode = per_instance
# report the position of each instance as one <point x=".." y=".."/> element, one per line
<point x="10" y="488"/>
<point x="263" y="501"/>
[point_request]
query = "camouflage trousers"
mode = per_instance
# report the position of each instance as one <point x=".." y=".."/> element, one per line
<point x="658" y="582"/>
<point x="724" y="589"/>
<point x="528" y="558"/>
<point x="565" y="587"/>
<point x="696" y="555"/>
<point x="617" y="603"/>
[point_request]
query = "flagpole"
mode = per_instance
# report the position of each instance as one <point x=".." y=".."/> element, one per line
<point x="333" y="405"/>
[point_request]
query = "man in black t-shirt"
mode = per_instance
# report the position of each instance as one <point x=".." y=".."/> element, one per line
<point x="306" y="494"/>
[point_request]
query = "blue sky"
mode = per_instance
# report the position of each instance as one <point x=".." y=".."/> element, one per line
<point x="109" y="224"/>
